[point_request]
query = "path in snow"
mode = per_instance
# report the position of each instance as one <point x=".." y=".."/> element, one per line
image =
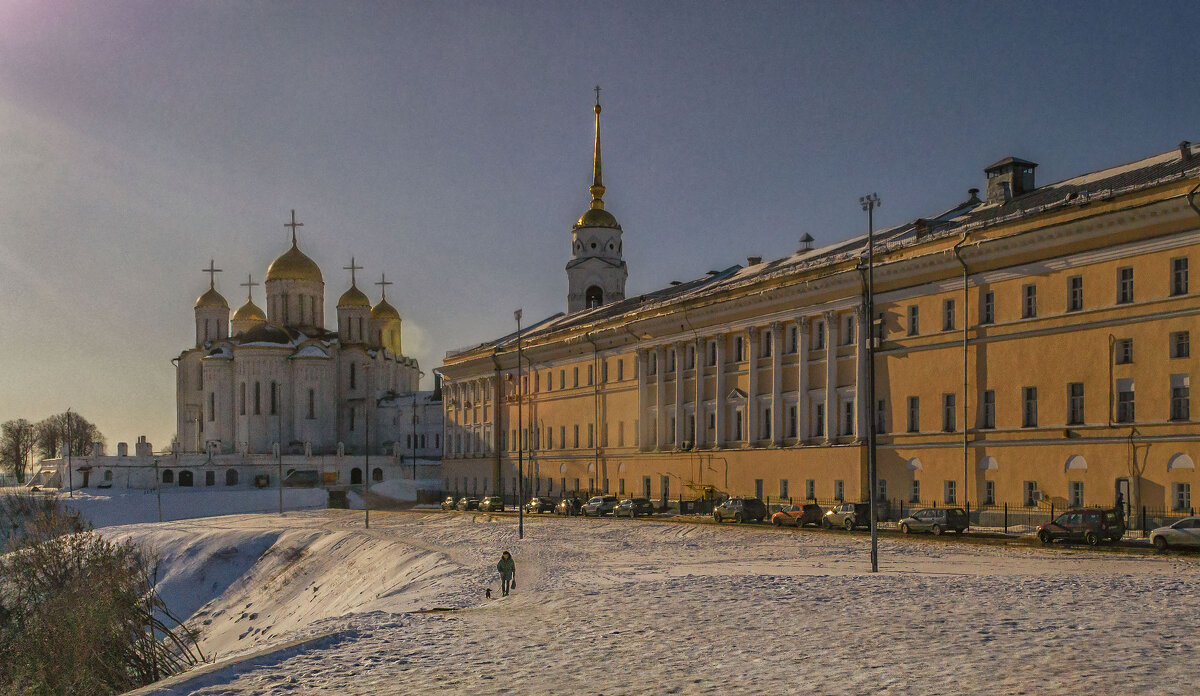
<point x="614" y="607"/>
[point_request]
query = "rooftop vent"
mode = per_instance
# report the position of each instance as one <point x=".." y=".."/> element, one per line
<point x="974" y="195"/>
<point x="1009" y="178"/>
<point x="753" y="260"/>
<point x="921" y="227"/>
<point x="806" y="242"/>
<point x="1185" y="151"/>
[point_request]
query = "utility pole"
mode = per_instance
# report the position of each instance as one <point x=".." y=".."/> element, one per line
<point x="70" y="476"/>
<point x="520" y="428"/>
<point x="869" y="203"/>
<point x="414" y="439"/>
<point x="277" y="402"/>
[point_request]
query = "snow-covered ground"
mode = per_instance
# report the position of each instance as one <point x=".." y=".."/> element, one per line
<point x="620" y="607"/>
<point x="132" y="507"/>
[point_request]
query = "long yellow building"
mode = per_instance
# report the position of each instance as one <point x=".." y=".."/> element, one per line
<point x="1032" y="348"/>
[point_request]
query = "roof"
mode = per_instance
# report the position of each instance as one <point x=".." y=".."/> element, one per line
<point x="968" y="215"/>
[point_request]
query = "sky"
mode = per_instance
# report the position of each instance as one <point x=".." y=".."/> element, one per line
<point x="449" y="146"/>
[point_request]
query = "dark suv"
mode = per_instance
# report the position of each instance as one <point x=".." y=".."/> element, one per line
<point x="935" y="521"/>
<point x="740" y="510"/>
<point x="1090" y="525"/>
<point x="539" y="505"/>
<point x="599" y="506"/>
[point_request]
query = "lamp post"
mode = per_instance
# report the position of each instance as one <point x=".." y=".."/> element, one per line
<point x="366" y="462"/>
<point x="277" y="402"/>
<point x="869" y="203"/>
<point x="70" y="476"/>
<point x="158" y="488"/>
<point x="520" y="427"/>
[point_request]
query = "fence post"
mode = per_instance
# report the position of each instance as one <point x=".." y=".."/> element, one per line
<point x="1051" y="510"/>
<point x="1144" y="534"/>
<point x="902" y="508"/>
<point x="968" y="513"/>
<point x="1006" y="517"/>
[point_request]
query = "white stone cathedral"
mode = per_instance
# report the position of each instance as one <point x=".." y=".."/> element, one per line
<point x="261" y="379"/>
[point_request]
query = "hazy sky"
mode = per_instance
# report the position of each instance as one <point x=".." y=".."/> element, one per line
<point x="448" y="144"/>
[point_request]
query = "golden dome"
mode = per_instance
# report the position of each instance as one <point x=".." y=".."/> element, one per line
<point x="354" y="298"/>
<point x="597" y="217"/>
<point x="383" y="310"/>
<point x="294" y="265"/>
<point x="249" y="312"/>
<point x="210" y="299"/>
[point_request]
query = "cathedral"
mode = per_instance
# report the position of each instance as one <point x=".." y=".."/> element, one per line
<point x="261" y="379"/>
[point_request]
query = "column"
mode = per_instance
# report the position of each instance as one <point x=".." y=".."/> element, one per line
<point x="643" y="406"/>
<point x="862" y="400"/>
<point x="831" y="338"/>
<point x="752" y="424"/>
<point x="700" y="421"/>
<point x="776" y="383"/>
<point x="660" y="421"/>
<point x="719" y="395"/>
<point x="802" y="341"/>
<point x="680" y="412"/>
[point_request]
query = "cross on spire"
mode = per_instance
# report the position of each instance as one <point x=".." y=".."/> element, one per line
<point x="293" y="224"/>
<point x="352" y="268"/>
<point x="212" y="272"/>
<point x="597" y="95"/>
<point x="383" y="283"/>
<point x="249" y="285"/>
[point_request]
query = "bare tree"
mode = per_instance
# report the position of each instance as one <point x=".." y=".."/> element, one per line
<point x="68" y="428"/>
<point x="16" y="444"/>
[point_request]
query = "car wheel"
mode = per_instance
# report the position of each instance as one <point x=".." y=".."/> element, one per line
<point x="904" y="529"/>
<point x="716" y="518"/>
<point x="1044" y="537"/>
<point x="826" y="523"/>
<point x="737" y="518"/>
<point x="1160" y="543"/>
<point x="1092" y="539"/>
<point x="936" y="529"/>
<point x="848" y="524"/>
<point x="776" y="521"/>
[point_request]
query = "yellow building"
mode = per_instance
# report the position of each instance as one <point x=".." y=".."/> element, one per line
<point x="1033" y="349"/>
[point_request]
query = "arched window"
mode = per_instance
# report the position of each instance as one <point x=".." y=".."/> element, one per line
<point x="353" y="375"/>
<point x="168" y="476"/>
<point x="377" y="474"/>
<point x="356" y="476"/>
<point x="231" y="477"/>
<point x="593" y="297"/>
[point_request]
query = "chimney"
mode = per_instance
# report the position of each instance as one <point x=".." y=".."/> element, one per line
<point x="141" y="448"/>
<point x="122" y="449"/>
<point x="1185" y="151"/>
<point x="806" y="242"/>
<point x="1009" y="178"/>
<point x="921" y="227"/>
<point x="753" y="260"/>
<point x="974" y="195"/>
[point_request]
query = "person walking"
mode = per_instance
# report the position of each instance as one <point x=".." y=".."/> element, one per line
<point x="508" y="573"/>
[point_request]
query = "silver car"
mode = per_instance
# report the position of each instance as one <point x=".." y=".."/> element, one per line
<point x="1184" y="533"/>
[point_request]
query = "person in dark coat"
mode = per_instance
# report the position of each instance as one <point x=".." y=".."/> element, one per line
<point x="508" y="572"/>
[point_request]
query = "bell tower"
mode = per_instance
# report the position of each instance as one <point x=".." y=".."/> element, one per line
<point x="596" y="272"/>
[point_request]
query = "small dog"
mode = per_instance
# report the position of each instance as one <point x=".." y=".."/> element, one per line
<point x="487" y="593"/>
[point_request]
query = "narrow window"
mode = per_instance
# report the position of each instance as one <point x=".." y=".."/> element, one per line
<point x="1181" y="496"/>
<point x="914" y="320"/>
<point x="783" y="488"/>
<point x="212" y="406"/>
<point x="1075" y="403"/>
<point x="766" y="344"/>
<point x="242" y="400"/>
<point x="1029" y="407"/>
<point x="881" y="416"/>
<point x="1181" y="408"/>
<point x="712" y="353"/>
<point x="1028" y="301"/>
<point x="948" y="315"/>
<point x="1179" y="276"/>
<point x="792" y="423"/>
<point x="591" y="370"/>
<point x="948" y="413"/>
<point x="1077" y="494"/>
<point x="987" y="310"/>
<point x="353" y="375"/>
<point x="591" y="435"/>
<point x="848" y="416"/>
<point x="671" y="360"/>
<point x="1031" y="493"/>
<point x="839" y="490"/>
<point x="914" y="414"/>
<point x="576" y="437"/>
<point x="1125" y="401"/>
<point x="951" y="492"/>
<point x="793" y="339"/>
<point x="620" y="369"/>
<point x="312" y="404"/>
<point x="819" y="419"/>
<point x="739" y="352"/>
<point x="848" y="330"/>
<point x="1180" y="344"/>
<point x="987" y="415"/>
<point x="274" y="397"/>
<point x="1123" y="351"/>
<point x="1124" y="285"/>
<point x="1074" y="293"/>
<point x="575" y="377"/>
<point x="818" y="335"/>
<point x="810" y="489"/>
<point x="989" y="492"/>
<point x="916" y="492"/>
<point x="257" y="398"/>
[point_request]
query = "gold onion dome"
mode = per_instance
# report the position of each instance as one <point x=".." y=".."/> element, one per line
<point x="597" y="217"/>
<point x="354" y="298"/>
<point x="212" y="298"/>
<point x="294" y="265"/>
<point x="249" y="312"/>
<point x="383" y="310"/>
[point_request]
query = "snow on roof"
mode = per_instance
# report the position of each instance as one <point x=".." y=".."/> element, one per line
<point x="310" y="351"/>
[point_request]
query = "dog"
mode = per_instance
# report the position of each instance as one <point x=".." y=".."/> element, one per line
<point x="487" y="593"/>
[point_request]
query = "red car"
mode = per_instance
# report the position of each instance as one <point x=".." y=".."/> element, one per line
<point x="798" y="515"/>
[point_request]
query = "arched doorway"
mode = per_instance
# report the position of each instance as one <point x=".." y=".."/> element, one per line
<point x="168" y="476"/>
<point x="593" y="297"/>
<point x="185" y="478"/>
<point x="377" y="474"/>
<point x="356" y="476"/>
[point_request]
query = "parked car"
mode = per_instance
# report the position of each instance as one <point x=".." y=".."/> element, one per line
<point x="599" y="506"/>
<point x="1090" y="525"/>
<point x="740" y="510"/>
<point x="448" y="503"/>
<point x="466" y="503"/>
<point x="492" y="503"/>
<point x="632" y="507"/>
<point x="798" y="515"/>
<point x="1185" y="532"/>
<point x="569" y="507"/>
<point x="848" y="516"/>
<point x="539" y="505"/>
<point x="935" y="521"/>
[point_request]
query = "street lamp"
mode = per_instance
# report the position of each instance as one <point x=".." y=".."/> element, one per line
<point x="70" y="476"/>
<point x="520" y="428"/>
<point x="869" y="203"/>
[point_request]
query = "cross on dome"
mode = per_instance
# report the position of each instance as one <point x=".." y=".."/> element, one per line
<point x="383" y="283"/>
<point x="352" y="268"/>
<point x="293" y="224"/>
<point x="212" y="272"/>
<point x="249" y="285"/>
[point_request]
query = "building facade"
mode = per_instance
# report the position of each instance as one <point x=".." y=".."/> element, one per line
<point x="1032" y="347"/>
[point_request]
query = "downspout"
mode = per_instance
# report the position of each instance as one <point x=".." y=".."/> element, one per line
<point x="596" y="407"/>
<point x="965" y="382"/>
<point x="497" y="409"/>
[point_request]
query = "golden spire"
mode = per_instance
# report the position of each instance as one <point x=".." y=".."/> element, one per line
<point x="597" y="187"/>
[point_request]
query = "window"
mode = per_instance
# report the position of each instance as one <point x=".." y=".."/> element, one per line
<point x="312" y="404"/>
<point x="1124" y="285"/>
<point x="987" y="414"/>
<point x="1028" y="301"/>
<point x="690" y="358"/>
<point x="839" y="490"/>
<point x="916" y="492"/>
<point x="848" y="330"/>
<point x="1123" y="351"/>
<point x="881" y="489"/>
<point x="1125" y="401"/>
<point x="620" y="369"/>
<point x="758" y="488"/>
<point x="242" y="407"/>
<point x="670" y="360"/>
<point x="353" y="375"/>
<point x="1077" y="494"/>
<point x="737" y="424"/>
<point x="712" y="353"/>
<point x="987" y="309"/>
<point x="948" y="413"/>
<point x="848" y="416"/>
<point x="1181" y="497"/>
<point x="1179" y="276"/>
<point x="881" y="416"/>
<point x="257" y="398"/>
<point x="914" y="414"/>
<point x="1028" y="407"/>
<point x="739" y="348"/>
<point x="1074" y="293"/>
<point x="591" y="370"/>
<point x="562" y="374"/>
<point x="766" y="344"/>
<point x="914" y="320"/>
<point x="575" y="377"/>
<point x="989" y="492"/>
<point x="1181" y="407"/>
<point x="274" y="397"/>
<point x="621" y="486"/>
<point x="783" y="488"/>
<point x="620" y="433"/>
<point x="352" y="418"/>
<point x="576" y="445"/>
<point x="818" y="335"/>
<point x="819" y="419"/>
<point x="792" y="421"/>
<point x="793" y="342"/>
<point x="592" y="434"/>
<point x="810" y="489"/>
<point x="948" y="315"/>
<point x="1075" y="403"/>
<point x="1031" y="494"/>
<point x="1180" y="344"/>
<point x="950" y="496"/>
<point x="765" y="430"/>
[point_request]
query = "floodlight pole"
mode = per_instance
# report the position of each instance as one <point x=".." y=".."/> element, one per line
<point x="520" y="427"/>
<point x="869" y="203"/>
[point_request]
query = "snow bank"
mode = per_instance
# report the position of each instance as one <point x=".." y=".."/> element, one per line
<point x="132" y="507"/>
<point x="404" y="489"/>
